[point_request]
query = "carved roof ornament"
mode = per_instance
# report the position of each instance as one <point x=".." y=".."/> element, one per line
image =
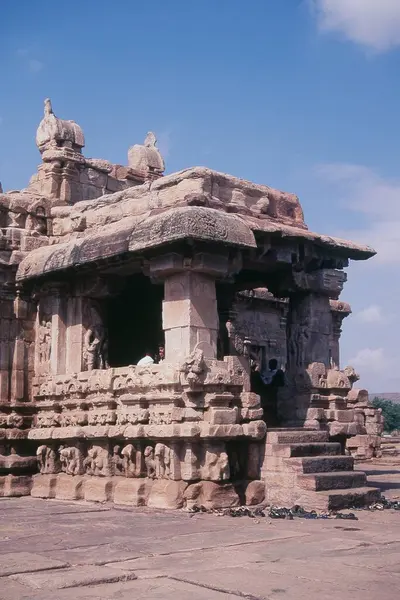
<point x="57" y="133"/>
<point x="146" y="158"/>
<point x="48" y="109"/>
<point x="151" y="140"/>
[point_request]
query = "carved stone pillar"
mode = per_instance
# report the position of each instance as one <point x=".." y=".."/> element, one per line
<point x="58" y="332"/>
<point x="7" y="324"/>
<point x="74" y="335"/>
<point x="309" y="320"/>
<point x="309" y="336"/>
<point x="309" y="328"/>
<point x="190" y="314"/>
<point x="340" y="310"/>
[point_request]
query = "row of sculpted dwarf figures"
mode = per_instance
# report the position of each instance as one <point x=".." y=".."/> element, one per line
<point x="124" y="461"/>
<point x="131" y="460"/>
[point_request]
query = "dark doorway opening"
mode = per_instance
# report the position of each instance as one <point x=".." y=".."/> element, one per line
<point x="134" y="321"/>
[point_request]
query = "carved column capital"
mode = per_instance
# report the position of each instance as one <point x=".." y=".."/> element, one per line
<point x="324" y="282"/>
<point x="219" y="265"/>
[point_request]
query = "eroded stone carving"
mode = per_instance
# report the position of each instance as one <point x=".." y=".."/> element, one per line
<point x="193" y="367"/>
<point x="48" y="460"/>
<point x="71" y="459"/>
<point x="162" y="459"/>
<point x="117" y="461"/>
<point x="97" y="462"/>
<point x="150" y="462"/>
<point x="129" y="453"/>
<point x="216" y="463"/>
<point x="44" y="342"/>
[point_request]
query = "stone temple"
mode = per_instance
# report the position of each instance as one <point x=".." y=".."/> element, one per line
<point x="220" y="281"/>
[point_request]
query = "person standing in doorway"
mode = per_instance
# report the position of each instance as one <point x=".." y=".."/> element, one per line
<point x="273" y="379"/>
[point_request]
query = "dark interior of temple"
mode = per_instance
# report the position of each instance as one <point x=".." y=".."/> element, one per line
<point x="134" y="321"/>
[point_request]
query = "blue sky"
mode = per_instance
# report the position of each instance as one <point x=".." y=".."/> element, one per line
<point x="302" y="95"/>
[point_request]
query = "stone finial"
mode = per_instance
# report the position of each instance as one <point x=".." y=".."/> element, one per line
<point x="57" y="133"/>
<point x="151" y="140"/>
<point x="48" y="109"/>
<point x="1" y="188"/>
<point x="146" y="158"/>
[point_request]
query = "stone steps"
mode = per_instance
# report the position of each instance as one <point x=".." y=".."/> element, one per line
<point x="296" y="436"/>
<point x="341" y="499"/>
<point x="304" y="449"/>
<point x="332" y="481"/>
<point x="319" y="464"/>
<point x="303" y="467"/>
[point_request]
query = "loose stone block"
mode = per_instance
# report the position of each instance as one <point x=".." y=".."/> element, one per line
<point x="69" y="487"/>
<point x="211" y="495"/>
<point x="99" y="489"/>
<point x="167" y="494"/>
<point x="255" y="493"/>
<point x="19" y="485"/>
<point x="132" y="492"/>
<point x="44" y="486"/>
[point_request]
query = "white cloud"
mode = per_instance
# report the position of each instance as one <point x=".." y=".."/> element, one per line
<point x="368" y="359"/>
<point x="376" y="200"/>
<point x="372" y="314"/>
<point x="375" y="24"/>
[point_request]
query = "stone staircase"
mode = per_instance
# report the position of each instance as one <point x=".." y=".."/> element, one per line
<point x="303" y="467"/>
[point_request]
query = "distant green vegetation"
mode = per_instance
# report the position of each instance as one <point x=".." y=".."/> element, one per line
<point x="390" y="411"/>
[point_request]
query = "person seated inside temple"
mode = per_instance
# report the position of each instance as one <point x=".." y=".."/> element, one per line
<point x="266" y="384"/>
<point x="160" y="356"/>
<point x="146" y="360"/>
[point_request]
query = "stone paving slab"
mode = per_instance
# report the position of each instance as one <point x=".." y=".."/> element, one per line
<point x="258" y="583"/>
<point x="73" y="577"/>
<point x="144" y="589"/>
<point x="24" y="562"/>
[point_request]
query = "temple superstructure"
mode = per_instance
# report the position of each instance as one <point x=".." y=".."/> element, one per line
<point x="103" y="264"/>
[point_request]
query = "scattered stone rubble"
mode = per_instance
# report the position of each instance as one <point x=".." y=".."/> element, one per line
<point x="240" y="275"/>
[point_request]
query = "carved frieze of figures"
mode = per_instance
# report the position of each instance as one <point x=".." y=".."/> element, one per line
<point x="140" y="415"/>
<point x="48" y="460"/>
<point x="71" y="459"/>
<point x="150" y="462"/>
<point x="162" y="458"/>
<point x="102" y="417"/>
<point x="160" y="418"/>
<point x="97" y="462"/>
<point x="47" y="419"/>
<point x="44" y="342"/>
<point x="72" y="419"/>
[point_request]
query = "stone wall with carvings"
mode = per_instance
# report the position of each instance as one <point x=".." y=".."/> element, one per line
<point x="166" y="427"/>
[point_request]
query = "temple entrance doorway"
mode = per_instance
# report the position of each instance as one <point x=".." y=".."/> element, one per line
<point x="266" y="380"/>
<point x="134" y="321"/>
